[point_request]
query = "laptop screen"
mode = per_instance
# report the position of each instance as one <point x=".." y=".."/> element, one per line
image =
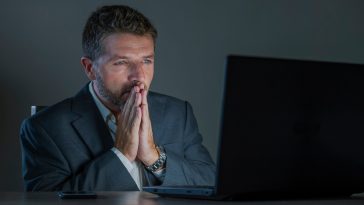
<point x="291" y="127"/>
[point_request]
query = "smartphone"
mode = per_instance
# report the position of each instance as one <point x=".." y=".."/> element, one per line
<point x="77" y="195"/>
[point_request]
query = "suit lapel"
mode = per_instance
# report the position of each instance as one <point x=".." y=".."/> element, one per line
<point x="90" y="125"/>
<point x="156" y="112"/>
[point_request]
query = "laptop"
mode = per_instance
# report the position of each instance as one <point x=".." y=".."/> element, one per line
<point x="289" y="128"/>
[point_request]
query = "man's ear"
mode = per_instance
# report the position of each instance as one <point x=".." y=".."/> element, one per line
<point x="88" y="67"/>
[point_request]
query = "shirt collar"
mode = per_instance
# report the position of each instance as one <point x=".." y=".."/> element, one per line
<point x="105" y="112"/>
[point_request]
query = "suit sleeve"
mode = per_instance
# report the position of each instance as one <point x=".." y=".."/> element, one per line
<point x="46" y="169"/>
<point x="191" y="163"/>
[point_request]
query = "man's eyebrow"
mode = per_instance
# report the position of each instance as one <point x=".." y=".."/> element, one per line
<point x="149" y="56"/>
<point x="118" y="57"/>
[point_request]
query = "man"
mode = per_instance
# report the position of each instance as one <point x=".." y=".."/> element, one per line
<point x="115" y="134"/>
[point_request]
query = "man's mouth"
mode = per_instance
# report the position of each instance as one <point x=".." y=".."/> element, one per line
<point x="126" y="94"/>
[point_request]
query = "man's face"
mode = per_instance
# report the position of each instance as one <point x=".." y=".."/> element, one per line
<point x="127" y="60"/>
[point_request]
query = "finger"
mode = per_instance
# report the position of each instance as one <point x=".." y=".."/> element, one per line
<point x="131" y="113"/>
<point x="145" y="102"/>
<point x="142" y="86"/>
<point x="137" y="89"/>
<point x="138" y="100"/>
<point x="144" y="93"/>
<point x="129" y="103"/>
<point x="135" y="126"/>
<point x="137" y="121"/>
<point x="134" y="110"/>
<point x="145" y="110"/>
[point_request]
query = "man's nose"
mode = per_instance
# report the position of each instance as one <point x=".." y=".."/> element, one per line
<point x="137" y="73"/>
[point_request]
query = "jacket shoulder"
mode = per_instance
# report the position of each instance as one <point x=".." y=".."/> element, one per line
<point x="166" y="99"/>
<point x="53" y="111"/>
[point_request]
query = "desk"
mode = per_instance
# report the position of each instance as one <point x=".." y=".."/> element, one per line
<point x="142" y="198"/>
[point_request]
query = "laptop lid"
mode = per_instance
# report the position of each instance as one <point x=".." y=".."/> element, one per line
<point x="292" y="128"/>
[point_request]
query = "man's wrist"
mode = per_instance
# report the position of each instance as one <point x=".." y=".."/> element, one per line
<point x="152" y="157"/>
<point x="160" y="162"/>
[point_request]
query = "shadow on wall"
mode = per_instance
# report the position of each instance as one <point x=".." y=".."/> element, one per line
<point x="13" y="110"/>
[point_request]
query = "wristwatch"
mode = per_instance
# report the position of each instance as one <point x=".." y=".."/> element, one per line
<point x="160" y="161"/>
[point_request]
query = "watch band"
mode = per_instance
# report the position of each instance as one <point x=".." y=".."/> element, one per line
<point x="160" y="161"/>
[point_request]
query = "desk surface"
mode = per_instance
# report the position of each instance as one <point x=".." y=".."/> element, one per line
<point x="142" y="198"/>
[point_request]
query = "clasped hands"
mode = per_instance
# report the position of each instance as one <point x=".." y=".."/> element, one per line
<point x="134" y="135"/>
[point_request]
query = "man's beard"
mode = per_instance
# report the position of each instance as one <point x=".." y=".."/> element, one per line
<point x="114" y="97"/>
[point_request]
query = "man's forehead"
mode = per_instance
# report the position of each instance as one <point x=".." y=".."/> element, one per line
<point x="128" y="39"/>
<point x="128" y="42"/>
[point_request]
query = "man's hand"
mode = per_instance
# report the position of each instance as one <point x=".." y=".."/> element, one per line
<point x="129" y="122"/>
<point x="134" y="135"/>
<point x="147" y="151"/>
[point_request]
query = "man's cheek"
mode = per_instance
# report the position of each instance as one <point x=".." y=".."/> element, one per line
<point x="125" y="96"/>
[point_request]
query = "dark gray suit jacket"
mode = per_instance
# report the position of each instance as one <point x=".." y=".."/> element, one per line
<point x="67" y="147"/>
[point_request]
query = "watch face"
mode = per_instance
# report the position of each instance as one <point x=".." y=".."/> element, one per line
<point x="159" y="163"/>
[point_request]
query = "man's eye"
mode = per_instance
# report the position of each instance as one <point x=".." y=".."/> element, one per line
<point x="147" y="61"/>
<point x="120" y="63"/>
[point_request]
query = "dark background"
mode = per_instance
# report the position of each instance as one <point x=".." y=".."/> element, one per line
<point x="40" y="50"/>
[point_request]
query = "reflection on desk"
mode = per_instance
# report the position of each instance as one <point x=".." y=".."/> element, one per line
<point x="143" y="198"/>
